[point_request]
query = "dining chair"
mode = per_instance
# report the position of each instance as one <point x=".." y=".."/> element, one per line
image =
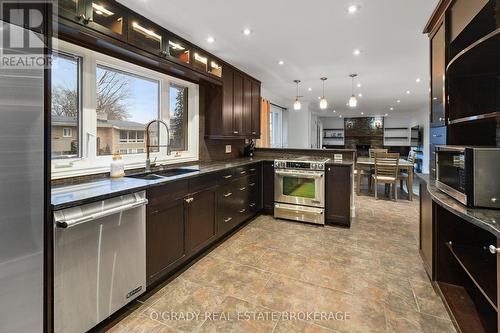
<point x="373" y="151"/>
<point x="386" y="171"/>
<point x="403" y="176"/>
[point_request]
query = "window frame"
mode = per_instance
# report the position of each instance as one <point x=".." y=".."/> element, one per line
<point x="186" y="102"/>
<point x="88" y="161"/>
<point x="70" y="131"/>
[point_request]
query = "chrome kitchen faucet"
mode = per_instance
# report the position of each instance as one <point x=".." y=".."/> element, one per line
<point x="149" y="146"/>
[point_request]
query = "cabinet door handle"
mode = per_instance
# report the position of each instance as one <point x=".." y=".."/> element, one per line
<point x="228" y="194"/>
<point x="493" y="249"/>
<point x="252" y="204"/>
<point x="163" y="53"/>
<point x="252" y="184"/>
<point x="243" y="210"/>
<point x="235" y="132"/>
<point x="226" y="220"/>
<point x="189" y="200"/>
<point x="242" y="172"/>
<point x="254" y="133"/>
<point x="243" y="188"/>
<point x="253" y="170"/>
<point x="228" y="176"/>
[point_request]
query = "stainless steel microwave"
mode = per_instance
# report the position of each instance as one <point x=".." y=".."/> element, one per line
<point x="471" y="175"/>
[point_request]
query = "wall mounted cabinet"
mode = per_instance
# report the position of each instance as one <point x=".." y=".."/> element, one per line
<point x="147" y="36"/>
<point x="238" y="115"/>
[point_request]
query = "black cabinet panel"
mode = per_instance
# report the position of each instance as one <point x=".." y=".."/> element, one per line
<point x="338" y="190"/>
<point x="438" y="67"/>
<point x="201" y="223"/>
<point x="268" y="187"/>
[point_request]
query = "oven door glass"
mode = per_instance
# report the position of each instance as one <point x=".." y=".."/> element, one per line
<point x="299" y="187"/>
<point x="451" y="169"/>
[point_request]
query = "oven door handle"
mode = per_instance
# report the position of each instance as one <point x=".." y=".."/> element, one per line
<point x="298" y="209"/>
<point x="313" y="175"/>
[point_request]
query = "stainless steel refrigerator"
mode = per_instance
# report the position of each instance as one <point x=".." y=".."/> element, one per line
<point x="23" y="190"/>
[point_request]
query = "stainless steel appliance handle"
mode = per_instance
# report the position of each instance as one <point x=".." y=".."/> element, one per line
<point x="74" y="222"/>
<point x="494" y="250"/>
<point x="313" y="175"/>
<point x="298" y="209"/>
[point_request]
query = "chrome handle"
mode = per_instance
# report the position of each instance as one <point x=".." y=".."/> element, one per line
<point x="254" y="133"/>
<point x="189" y="200"/>
<point x="228" y="219"/>
<point x="243" y="210"/>
<point x="252" y="184"/>
<point x="243" y="188"/>
<point x="81" y="17"/>
<point x="252" y="170"/>
<point x="163" y="53"/>
<point x="252" y="204"/>
<point x="493" y="249"/>
<point x="235" y="132"/>
<point x="228" y="194"/>
<point x="228" y="176"/>
<point x="242" y="172"/>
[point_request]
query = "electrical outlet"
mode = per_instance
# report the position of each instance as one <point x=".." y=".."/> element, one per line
<point x="228" y="149"/>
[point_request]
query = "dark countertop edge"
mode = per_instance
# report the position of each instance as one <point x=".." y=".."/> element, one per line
<point x="448" y="203"/>
<point x="326" y="150"/>
<point x="212" y="169"/>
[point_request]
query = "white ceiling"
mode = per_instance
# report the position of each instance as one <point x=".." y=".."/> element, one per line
<point x="314" y="38"/>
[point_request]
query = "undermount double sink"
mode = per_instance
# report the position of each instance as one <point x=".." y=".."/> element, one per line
<point x="160" y="174"/>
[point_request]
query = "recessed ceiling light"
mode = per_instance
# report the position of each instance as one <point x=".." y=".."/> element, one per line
<point x="340" y="116"/>
<point x="334" y="111"/>
<point x="386" y="115"/>
<point x="391" y="108"/>
<point x="407" y="92"/>
<point x="247" y="31"/>
<point x="356" y="52"/>
<point x="418" y="80"/>
<point x="359" y="85"/>
<point x="319" y="97"/>
<point x="281" y="62"/>
<point x="352" y="9"/>
<point x="210" y="39"/>
<point x="398" y="101"/>
<point x="362" y="113"/>
<point x="360" y="95"/>
<point x="309" y="89"/>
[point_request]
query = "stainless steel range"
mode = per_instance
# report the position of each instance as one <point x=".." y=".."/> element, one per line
<point x="299" y="189"/>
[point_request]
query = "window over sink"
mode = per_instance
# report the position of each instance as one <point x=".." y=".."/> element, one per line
<point x="101" y="105"/>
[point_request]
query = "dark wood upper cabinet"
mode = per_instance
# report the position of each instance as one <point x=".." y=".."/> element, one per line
<point x="438" y="68"/>
<point x="227" y="106"/>
<point x="147" y="35"/>
<point x="255" y="110"/>
<point x="247" y="107"/>
<point x="238" y="104"/>
<point x="74" y="10"/>
<point x="107" y="17"/>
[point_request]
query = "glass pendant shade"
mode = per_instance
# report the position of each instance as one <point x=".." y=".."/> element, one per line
<point x="296" y="105"/>
<point x="353" y="102"/>
<point x="323" y="104"/>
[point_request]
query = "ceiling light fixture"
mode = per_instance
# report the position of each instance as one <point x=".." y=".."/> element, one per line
<point x="356" y="52"/>
<point x="296" y="104"/>
<point x="352" y="9"/>
<point x="334" y="111"/>
<point x="323" y="104"/>
<point x="360" y="95"/>
<point x="391" y="108"/>
<point x="281" y="62"/>
<point x="210" y="39"/>
<point x="398" y="101"/>
<point x="386" y="115"/>
<point x="353" y="102"/>
<point x="362" y="113"/>
<point x="408" y="92"/>
<point x="309" y="89"/>
<point x="418" y="80"/>
<point x="247" y="31"/>
<point x="359" y="85"/>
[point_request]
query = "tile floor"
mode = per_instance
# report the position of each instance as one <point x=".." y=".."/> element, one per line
<point x="369" y="278"/>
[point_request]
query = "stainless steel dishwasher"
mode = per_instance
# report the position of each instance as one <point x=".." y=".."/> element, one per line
<point x="99" y="260"/>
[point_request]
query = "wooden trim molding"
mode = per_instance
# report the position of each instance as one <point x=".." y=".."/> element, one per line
<point x="437" y="16"/>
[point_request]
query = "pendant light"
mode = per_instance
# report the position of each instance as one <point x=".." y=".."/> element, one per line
<point x="323" y="104"/>
<point x="353" y="102"/>
<point x="296" y="104"/>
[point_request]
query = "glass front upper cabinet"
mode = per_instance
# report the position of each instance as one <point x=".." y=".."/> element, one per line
<point x="200" y="62"/>
<point x="215" y="68"/>
<point x="179" y="51"/>
<point x="147" y="36"/>
<point x="108" y="17"/>
<point x="71" y="9"/>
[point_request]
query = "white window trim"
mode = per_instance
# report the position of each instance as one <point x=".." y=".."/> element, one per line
<point x="89" y="162"/>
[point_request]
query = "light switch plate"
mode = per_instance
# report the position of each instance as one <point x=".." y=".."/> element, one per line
<point x="228" y="149"/>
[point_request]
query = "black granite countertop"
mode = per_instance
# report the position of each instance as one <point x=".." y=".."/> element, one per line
<point x="487" y="219"/>
<point x="73" y="195"/>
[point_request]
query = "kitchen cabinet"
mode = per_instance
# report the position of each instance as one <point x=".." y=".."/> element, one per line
<point x="268" y="187"/>
<point x="425" y="229"/>
<point x="200" y="219"/>
<point x="338" y="187"/>
<point x="238" y="116"/>
<point x="165" y="230"/>
<point x="147" y="36"/>
<point x="438" y="67"/>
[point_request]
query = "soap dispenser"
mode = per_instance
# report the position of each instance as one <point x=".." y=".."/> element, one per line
<point x="117" y="166"/>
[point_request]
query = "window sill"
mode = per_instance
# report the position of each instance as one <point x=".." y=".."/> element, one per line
<point x="85" y="170"/>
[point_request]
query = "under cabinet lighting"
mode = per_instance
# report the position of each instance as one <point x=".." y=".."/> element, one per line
<point x="175" y="46"/>
<point x="145" y="31"/>
<point x="199" y="58"/>
<point x="214" y="65"/>
<point x="101" y="10"/>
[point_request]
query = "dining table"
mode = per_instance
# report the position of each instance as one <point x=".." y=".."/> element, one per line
<point x="403" y="165"/>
